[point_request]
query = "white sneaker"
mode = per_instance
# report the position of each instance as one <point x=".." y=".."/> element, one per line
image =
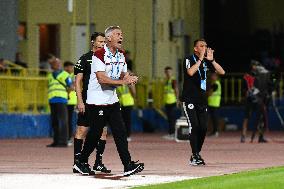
<point x="70" y="143"/>
<point x="169" y="137"/>
<point x="217" y="134"/>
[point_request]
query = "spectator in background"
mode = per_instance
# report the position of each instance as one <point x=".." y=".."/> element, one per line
<point x="126" y="95"/>
<point x="171" y="94"/>
<point x="59" y="82"/>
<point x="214" y="100"/>
<point x="18" y="60"/>
<point x="72" y="100"/>
<point x="257" y="90"/>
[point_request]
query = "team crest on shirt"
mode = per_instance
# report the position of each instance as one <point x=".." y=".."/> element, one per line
<point x="78" y="63"/>
<point x="101" y="112"/>
<point x="190" y="106"/>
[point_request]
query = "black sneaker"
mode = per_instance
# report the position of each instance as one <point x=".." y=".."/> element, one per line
<point x="101" y="167"/>
<point x="133" y="168"/>
<point x="83" y="168"/>
<point x="201" y="160"/>
<point x="76" y="160"/>
<point x="196" y="159"/>
<point x="261" y="139"/>
<point x="74" y="170"/>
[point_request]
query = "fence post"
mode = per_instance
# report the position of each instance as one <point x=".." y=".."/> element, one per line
<point x="233" y="89"/>
<point x="239" y="90"/>
<point x="226" y="90"/>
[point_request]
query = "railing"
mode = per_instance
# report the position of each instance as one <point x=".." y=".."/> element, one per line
<point x="23" y="72"/>
<point x="26" y="91"/>
<point x="23" y="94"/>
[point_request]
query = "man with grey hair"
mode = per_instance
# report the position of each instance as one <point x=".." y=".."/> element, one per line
<point x="108" y="70"/>
<point x="59" y="85"/>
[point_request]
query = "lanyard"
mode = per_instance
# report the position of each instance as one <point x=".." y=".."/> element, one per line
<point x="205" y="68"/>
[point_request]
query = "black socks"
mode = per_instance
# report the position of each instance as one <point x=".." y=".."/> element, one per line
<point x="100" y="151"/>
<point x="77" y="147"/>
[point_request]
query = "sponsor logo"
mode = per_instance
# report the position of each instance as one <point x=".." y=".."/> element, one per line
<point x="190" y="106"/>
<point x="101" y="112"/>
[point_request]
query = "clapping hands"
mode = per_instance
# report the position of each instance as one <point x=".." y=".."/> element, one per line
<point x="130" y="79"/>
<point x="209" y="54"/>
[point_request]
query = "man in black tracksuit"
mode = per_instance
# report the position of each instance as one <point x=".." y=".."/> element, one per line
<point x="82" y="70"/>
<point x="194" y="97"/>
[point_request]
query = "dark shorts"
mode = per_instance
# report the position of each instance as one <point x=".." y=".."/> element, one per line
<point x="82" y="119"/>
<point x="251" y="107"/>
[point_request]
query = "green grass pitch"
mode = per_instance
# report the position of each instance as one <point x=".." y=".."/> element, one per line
<point x="270" y="178"/>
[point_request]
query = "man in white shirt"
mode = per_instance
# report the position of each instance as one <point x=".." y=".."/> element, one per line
<point x="108" y="70"/>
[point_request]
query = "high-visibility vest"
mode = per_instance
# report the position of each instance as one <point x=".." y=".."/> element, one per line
<point x="214" y="99"/>
<point x="169" y="92"/>
<point x="57" y="86"/>
<point x="124" y="95"/>
<point x="72" y="95"/>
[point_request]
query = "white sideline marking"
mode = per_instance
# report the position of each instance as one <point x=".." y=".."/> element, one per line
<point x="68" y="181"/>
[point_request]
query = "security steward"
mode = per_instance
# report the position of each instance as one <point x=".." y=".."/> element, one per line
<point x="126" y="95"/>
<point x="214" y="100"/>
<point x="59" y="83"/>
<point x="170" y="100"/>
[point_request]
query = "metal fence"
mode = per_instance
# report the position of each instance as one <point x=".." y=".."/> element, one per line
<point x="25" y="91"/>
<point x="23" y="94"/>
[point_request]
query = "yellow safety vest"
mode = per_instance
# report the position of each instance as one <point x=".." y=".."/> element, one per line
<point x="72" y="95"/>
<point x="57" y="87"/>
<point x="124" y="95"/>
<point x="169" y="92"/>
<point x="214" y="99"/>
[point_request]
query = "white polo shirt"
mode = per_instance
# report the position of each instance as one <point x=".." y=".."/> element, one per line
<point x="113" y="65"/>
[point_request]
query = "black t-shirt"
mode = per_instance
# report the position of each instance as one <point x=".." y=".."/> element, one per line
<point x="84" y="66"/>
<point x="192" y="92"/>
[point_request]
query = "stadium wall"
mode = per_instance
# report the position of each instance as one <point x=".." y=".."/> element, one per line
<point x="134" y="17"/>
<point x="8" y="31"/>
<point x="147" y="120"/>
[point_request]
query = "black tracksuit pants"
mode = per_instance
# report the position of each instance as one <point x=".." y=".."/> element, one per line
<point x="98" y="117"/>
<point x="59" y="121"/>
<point x="197" y="117"/>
